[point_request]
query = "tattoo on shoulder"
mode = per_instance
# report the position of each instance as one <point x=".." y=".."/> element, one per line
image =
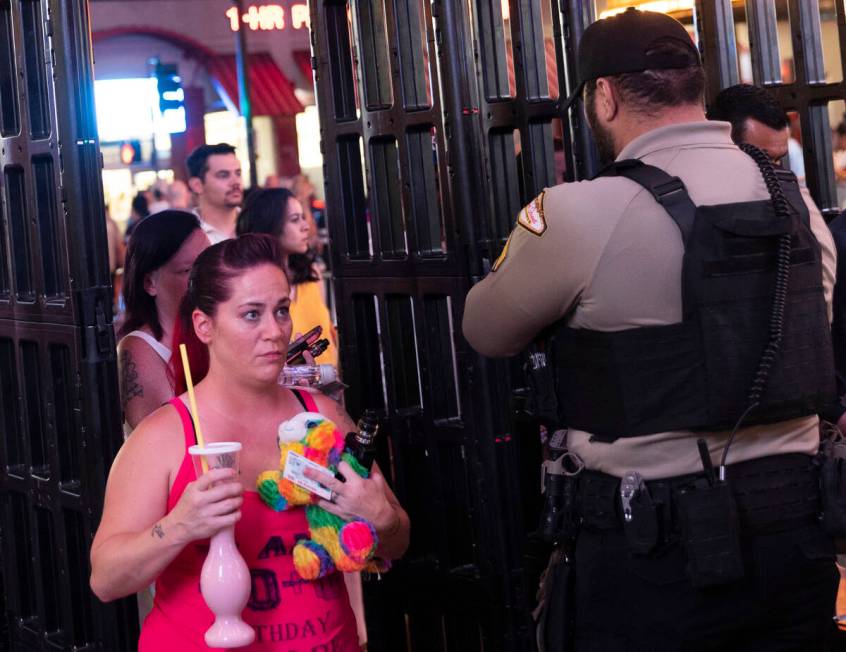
<point x="129" y="385"/>
<point x="157" y="531"/>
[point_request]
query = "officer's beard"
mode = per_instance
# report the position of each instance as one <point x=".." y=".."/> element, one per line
<point x="601" y="136"/>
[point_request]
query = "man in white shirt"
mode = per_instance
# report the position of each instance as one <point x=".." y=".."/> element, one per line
<point x="215" y="180"/>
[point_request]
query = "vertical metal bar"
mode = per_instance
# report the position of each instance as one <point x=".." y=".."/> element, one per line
<point x="717" y="43"/>
<point x="527" y="26"/>
<point x="763" y="41"/>
<point x="810" y="32"/>
<point x="583" y="157"/>
<point x="816" y="137"/>
<point x="246" y="106"/>
<point x="80" y="190"/>
<point x="460" y="99"/>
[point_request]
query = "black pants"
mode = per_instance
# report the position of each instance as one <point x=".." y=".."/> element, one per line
<point x="629" y="604"/>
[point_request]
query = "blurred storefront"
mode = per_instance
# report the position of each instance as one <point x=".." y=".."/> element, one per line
<point x="196" y="41"/>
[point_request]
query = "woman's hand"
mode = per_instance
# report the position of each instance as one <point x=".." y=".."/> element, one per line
<point x="209" y="504"/>
<point x="358" y="497"/>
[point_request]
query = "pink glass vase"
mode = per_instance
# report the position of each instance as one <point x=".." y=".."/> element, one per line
<point x="225" y="585"/>
<point x="225" y="579"/>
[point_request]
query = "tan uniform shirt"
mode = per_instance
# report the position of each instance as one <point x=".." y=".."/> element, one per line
<point x="609" y="258"/>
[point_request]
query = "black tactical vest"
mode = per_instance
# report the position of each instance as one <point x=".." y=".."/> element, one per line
<point x="733" y="347"/>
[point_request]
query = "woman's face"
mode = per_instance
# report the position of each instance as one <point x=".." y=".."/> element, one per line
<point x="169" y="282"/>
<point x="249" y="334"/>
<point x="294" y="236"/>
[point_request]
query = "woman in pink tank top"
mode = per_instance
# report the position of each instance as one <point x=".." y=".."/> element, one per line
<point x="158" y="515"/>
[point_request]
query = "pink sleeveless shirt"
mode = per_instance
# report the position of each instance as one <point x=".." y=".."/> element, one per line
<point x="288" y="613"/>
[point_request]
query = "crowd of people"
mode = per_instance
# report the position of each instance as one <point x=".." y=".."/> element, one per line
<point x="234" y="280"/>
<point x="685" y="298"/>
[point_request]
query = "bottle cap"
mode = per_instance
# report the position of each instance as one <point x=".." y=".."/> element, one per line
<point x="328" y="374"/>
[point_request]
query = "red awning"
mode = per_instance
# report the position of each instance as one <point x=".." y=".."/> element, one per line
<point x="303" y="60"/>
<point x="271" y="91"/>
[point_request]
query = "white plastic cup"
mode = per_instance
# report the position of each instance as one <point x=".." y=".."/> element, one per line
<point x="218" y="455"/>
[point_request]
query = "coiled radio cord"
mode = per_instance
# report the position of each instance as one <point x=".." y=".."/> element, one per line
<point x="776" y="323"/>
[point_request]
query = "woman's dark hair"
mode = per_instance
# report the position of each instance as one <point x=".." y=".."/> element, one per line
<point x="210" y="285"/>
<point x="264" y="212"/>
<point x="155" y="240"/>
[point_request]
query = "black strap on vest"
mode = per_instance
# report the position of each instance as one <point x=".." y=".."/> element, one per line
<point x="667" y="191"/>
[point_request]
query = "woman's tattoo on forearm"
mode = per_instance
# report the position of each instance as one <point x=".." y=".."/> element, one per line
<point x="129" y="385"/>
<point x="157" y="531"/>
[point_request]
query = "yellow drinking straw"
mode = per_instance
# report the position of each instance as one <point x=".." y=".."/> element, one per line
<point x="195" y="416"/>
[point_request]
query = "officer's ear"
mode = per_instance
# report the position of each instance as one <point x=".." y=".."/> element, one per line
<point x="607" y="100"/>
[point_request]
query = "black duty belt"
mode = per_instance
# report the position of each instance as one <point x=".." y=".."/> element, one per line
<point x="772" y="494"/>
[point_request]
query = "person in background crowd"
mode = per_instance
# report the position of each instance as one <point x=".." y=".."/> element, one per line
<point x="117" y="249"/>
<point x="157" y="513"/>
<point x="303" y="190"/>
<point x="277" y="212"/>
<point x="795" y="152"/>
<point x="158" y="260"/>
<point x="839" y="149"/>
<point x="660" y="324"/>
<point x="838" y="324"/>
<point x="756" y="118"/>
<point x="179" y="196"/>
<point x="272" y="181"/>
<point x="140" y="210"/>
<point x="215" y="180"/>
<point x="117" y="252"/>
<point x="159" y="193"/>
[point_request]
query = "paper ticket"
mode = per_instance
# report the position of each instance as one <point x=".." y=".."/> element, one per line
<point x="296" y="464"/>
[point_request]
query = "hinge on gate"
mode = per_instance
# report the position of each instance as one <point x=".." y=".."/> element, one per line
<point x="94" y="307"/>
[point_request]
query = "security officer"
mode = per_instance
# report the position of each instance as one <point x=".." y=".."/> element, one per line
<point x="690" y="298"/>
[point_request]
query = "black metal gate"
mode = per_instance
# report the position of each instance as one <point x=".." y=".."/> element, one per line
<point x="59" y="409"/>
<point x="434" y="136"/>
<point x="440" y="119"/>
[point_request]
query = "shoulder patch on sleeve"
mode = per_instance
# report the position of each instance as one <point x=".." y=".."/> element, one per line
<point x="532" y="218"/>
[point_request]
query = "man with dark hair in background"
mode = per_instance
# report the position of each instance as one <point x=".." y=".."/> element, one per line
<point x="687" y="289"/>
<point x="757" y="118"/>
<point x="214" y="176"/>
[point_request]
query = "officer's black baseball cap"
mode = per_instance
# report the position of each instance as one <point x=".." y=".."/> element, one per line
<point x="624" y="42"/>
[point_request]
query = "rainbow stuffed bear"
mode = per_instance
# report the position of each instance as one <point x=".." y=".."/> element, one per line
<point x="334" y="543"/>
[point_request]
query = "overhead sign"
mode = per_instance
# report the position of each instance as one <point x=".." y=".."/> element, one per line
<point x="269" y="17"/>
